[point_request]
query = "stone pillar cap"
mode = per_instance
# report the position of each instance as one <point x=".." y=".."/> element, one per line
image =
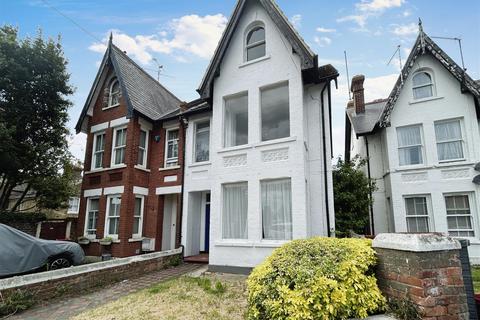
<point x="415" y="242"/>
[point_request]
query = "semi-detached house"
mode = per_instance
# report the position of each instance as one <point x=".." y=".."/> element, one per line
<point x="254" y="151"/>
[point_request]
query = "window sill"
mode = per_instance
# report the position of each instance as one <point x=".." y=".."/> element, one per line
<point x="199" y="164"/>
<point x="236" y="148"/>
<point x="110" y="107"/>
<point x="448" y="162"/>
<point x="425" y="100"/>
<point x="106" y="169"/>
<point x="135" y="239"/>
<point x="270" y="243"/>
<point x="247" y="63"/>
<point x="409" y="168"/>
<point x="141" y="168"/>
<point x="275" y="141"/>
<point x="234" y="243"/>
<point x="169" y="168"/>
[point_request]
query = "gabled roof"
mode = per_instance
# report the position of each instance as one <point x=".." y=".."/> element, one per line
<point x="142" y="93"/>
<point x="425" y="45"/>
<point x="309" y="59"/>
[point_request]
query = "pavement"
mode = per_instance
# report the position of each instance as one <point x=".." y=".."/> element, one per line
<point x="60" y="309"/>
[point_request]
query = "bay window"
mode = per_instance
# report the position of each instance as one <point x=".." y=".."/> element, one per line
<point x="91" y="218"/>
<point x="449" y="140"/>
<point x="410" y="145"/>
<point x="275" y="112"/>
<point x="112" y="224"/>
<point x="417" y="214"/>
<point x="138" y="217"/>
<point x="459" y="216"/>
<point x="142" y="148"/>
<point x="202" y="141"/>
<point x="276" y="209"/>
<point x="235" y="211"/>
<point x="236" y="121"/>
<point x="119" y="146"/>
<point x="171" y="159"/>
<point x="98" y="150"/>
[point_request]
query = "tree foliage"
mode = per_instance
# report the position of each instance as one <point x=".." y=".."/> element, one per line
<point x="34" y="86"/>
<point x="352" y="190"/>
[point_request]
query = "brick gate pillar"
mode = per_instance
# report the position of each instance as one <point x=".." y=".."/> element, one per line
<point x="425" y="269"/>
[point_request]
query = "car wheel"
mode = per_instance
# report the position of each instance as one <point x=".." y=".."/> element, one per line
<point x="59" y="263"/>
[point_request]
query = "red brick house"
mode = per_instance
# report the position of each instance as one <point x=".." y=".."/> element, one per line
<point x="132" y="184"/>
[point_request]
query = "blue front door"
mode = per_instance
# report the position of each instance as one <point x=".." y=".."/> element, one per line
<point x="207" y="222"/>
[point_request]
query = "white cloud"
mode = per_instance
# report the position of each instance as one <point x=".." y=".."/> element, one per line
<point x="405" y="30"/>
<point x="323" y="41"/>
<point x="407" y="13"/>
<point x="76" y="145"/>
<point x="368" y="8"/>
<point x="191" y="34"/>
<point x="297" y="21"/>
<point x="326" y="30"/>
<point x="378" y="5"/>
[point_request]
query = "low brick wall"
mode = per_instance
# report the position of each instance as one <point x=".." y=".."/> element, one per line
<point x="50" y="284"/>
<point x="424" y="269"/>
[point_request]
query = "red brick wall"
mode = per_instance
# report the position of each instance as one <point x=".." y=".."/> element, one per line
<point x="129" y="177"/>
<point x="432" y="281"/>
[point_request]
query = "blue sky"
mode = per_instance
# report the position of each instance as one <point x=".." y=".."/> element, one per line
<point x="181" y="35"/>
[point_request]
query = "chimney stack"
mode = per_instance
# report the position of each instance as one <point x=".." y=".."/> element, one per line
<point x="358" y="96"/>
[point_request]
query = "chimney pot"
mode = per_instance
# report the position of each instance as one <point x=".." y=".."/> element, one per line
<point x="358" y="94"/>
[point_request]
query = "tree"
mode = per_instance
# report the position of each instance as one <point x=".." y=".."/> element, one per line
<point x="34" y="86"/>
<point x="352" y="190"/>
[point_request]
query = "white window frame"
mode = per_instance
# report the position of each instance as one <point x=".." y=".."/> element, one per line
<point x="95" y="153"/>
<point x="144" y="150"/>
<point x="85" y="229"/>
<point x="171" y="162"/>
<point x="269" y="87"/>
<point x="261" y="208"/>
<point x="430" y="222"/>
<point x="140" y="221"/>
<point x="107" y="217"/>
<point x="222" y="216"/>
<point x="432" y="84"/>
<point x="110" y="93"/>
<point x="114" y="148"/>
<point x="421" y="145"/>
<point x="77" y="201"/>
<point x="224" y="119"/>
<point x="461" y="140"/>
<point x="195" y="130"/>
<point x="471" y="215"/>
<point x="247" y="46"/>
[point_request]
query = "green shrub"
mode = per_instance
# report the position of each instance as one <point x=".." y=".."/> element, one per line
<point x="403" y="309"/>
<point x="7" y="217"/>
<point x="16" y="301"/>
<point x="317" y="278"/>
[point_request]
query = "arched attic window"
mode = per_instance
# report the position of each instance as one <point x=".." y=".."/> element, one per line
<point x="255" y="43"/>
<point x="422" y="85"/>
<point x="114" y="93"/>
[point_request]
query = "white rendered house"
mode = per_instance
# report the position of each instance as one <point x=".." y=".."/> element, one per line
<point x="422" y="146"/>
<point x="258" y="143"/>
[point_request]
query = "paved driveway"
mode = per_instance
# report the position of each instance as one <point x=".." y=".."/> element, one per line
<point x="60" y="309"/>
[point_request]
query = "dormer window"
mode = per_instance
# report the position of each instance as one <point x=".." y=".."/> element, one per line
<point x="114" y="94"/>
<point x="255" y="43"/>
<point x="422" y="85"/>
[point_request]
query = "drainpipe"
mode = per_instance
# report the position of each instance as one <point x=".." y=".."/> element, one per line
<point x="184" y="122"/>
<point x="372" y="224"/>
<point x="325" y="155"/>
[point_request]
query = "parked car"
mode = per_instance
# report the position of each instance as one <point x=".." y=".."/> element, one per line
<point x="21" y="253"/>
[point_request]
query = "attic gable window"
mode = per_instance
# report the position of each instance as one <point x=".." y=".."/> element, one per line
<point x="255" y="43"/>
<point x="114" y="94"/>
<point x="422" y="85"/>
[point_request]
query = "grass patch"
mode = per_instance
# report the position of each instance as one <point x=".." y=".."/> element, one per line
<point x="476" y="278"/>
<point x="218" y="297"/>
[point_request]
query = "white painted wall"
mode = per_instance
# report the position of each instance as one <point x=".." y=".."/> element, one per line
<point x="432" y="178"/>
<point x="298" y="157"/>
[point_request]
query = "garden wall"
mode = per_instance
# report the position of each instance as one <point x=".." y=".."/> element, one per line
<point x="49" y="284"/>
<point x="425" y="269"/>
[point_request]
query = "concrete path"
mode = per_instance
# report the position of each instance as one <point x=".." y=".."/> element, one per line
<point x="60" y="309"/>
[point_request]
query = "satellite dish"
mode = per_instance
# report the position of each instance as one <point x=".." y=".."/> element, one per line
<point x="476" y="180"/>
<point x="477" y="167"/>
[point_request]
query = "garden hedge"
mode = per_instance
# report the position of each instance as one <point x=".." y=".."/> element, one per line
<point x="317" y="278"/>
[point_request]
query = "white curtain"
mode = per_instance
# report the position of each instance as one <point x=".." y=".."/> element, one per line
<point x="445" y="133"/>
<point x="277" y="209"/>
<point x="409" y="143"/>
<point x="235" y="211"/>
